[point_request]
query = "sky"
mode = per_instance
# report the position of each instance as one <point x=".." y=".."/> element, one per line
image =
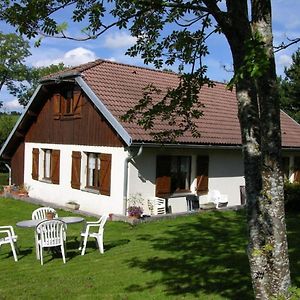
<point x="113" y="45"/>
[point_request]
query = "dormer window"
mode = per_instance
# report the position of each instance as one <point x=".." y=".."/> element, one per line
<point x="67" y="103"/>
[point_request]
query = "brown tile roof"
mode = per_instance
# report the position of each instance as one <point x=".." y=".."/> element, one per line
<point x="120" y="86"/>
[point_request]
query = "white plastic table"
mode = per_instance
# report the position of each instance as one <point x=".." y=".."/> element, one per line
<point x="34" y="223"/>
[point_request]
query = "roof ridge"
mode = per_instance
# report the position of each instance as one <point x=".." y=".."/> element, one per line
<point x="97" y="62"/>
<point x="89" y="65"/>
<point x="137" y="67"/>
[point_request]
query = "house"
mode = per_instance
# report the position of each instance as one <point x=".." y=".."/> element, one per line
<point x="70" y="144"/>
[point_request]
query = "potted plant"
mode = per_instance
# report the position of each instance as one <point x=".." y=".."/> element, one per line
<point x="135" y="206"/>
<point x="23" y="190"/>
<point x="135" y="211"/>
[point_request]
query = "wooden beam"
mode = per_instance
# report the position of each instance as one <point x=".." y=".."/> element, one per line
<point x="31" y="113"/>
<point x="19" y="134"/>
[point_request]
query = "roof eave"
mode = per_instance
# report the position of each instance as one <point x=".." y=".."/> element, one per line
<point x="186" y="145"/>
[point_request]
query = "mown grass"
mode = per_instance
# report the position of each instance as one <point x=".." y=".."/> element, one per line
<point x="200" y="256"/>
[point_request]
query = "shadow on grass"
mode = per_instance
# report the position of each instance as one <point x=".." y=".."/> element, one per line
<point x="73" y="245"/>
<point x="204" y="256"/>
<point x="293" y="230"/>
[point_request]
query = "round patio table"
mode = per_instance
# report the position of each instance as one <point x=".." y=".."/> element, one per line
<point x="34" y="223"/>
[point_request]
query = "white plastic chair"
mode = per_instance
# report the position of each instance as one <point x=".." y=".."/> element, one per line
<point x="40" y="213"/>
<point x="10" y="238"/>
<point x="218" y="199"/>
<point x="157" y="205"/>
<point x="98" y="235"/>
<point x="51" y="233"/>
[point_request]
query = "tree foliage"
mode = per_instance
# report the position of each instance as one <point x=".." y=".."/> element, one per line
<point x="13" y="51"/>
<point x="290" y="88"/>
<point x="24" y="90"/>
<point x="7" y="122"/>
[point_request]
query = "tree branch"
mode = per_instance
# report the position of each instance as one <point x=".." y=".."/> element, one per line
<point x="283" y="46"/>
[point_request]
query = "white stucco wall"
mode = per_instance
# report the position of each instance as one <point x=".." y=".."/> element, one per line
<point x="62" y="193"/>
<point x="226" y="174"/>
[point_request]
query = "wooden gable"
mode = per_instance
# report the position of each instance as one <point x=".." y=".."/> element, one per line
<point x="77" y="122"/>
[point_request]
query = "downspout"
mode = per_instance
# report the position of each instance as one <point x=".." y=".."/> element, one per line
<point x="9" y="173"/>
<point x="125" y="187"/>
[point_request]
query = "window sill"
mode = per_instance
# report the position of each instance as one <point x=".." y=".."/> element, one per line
<point x="176" y="195"/>
<point x="45" y="180"/>
<point x="70" y="117"/>
<point x="181" y="194"/>
<point x="91" y="190"/>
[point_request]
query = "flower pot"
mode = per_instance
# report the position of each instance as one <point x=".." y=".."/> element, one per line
<point x="135" y="217"/>
<point x="50" y="215"/>
<point x="74" y="206"/>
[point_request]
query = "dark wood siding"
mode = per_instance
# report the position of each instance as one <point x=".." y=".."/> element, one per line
<point x="17" y="165"/>
<point x="86" y="127"/>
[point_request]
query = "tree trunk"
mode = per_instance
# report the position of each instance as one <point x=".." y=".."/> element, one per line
<point x="259" y="115"/>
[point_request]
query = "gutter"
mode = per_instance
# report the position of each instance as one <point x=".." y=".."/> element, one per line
<point x="125" y="187"/>
<point x="190" y="146"/>
<point x="9" y="173"/>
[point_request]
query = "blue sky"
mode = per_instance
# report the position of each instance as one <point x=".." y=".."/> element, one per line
<point x="113" y="45"/>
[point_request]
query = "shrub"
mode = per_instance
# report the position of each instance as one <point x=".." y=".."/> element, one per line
<point x="292" y="196"/>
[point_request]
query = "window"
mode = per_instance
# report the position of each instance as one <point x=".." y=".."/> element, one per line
<point x="286" y="167"/>
<point x="93" y="170"/>
<point x="67" y="102"/>
<point x="172" y="174"/>
<point x="297" y="169"/>
<point x="202" y="174"/>
<point x="47" y="164"/>
<point x="50" y="166"/>
<point x="98" y="171"/>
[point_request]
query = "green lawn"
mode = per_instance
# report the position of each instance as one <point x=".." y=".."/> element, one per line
<point x="199" y="256"/>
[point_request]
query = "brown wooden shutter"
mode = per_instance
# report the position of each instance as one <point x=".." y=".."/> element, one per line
<point x="163" y="176"/>
<point x="55" y="161"/>
<point x="202" y="174"/>
<point x="76" y="169"/>
<point x="56" y="106"/>
<point x="35" y="163"/>
<point x="77" y="102"/>
<point x="105" y="174"/>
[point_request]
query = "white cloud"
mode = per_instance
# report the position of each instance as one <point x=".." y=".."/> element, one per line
<point x="73" y="57"/>
<point x="113" y="59"/>
<point x="12" y="105"/>
<point x="118" y="40"/>
<point x="284" y="60"/>
<point x="120" y="57"/>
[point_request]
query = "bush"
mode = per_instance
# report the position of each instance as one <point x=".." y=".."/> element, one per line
<point x="3" y="178"/>
<point x="292" y="196"/>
